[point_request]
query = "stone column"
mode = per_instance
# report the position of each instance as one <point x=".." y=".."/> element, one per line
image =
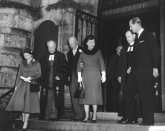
<point x="162" y="47"/>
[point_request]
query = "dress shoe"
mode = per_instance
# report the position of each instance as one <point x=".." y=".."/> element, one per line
<point x="131" y="122"/>
<point x="145" y="124"/>
<point x="128" y="122"/>
<point x="93" y="121"/>
<point x="24" y="129"/>
<point x="85" y="120"/>
<point x="120" y="121"/>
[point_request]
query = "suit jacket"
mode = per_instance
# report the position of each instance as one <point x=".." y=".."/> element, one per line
<point x="146" y="54"/>
<point x="72" y="62"/>
<point x="122" y="66"/>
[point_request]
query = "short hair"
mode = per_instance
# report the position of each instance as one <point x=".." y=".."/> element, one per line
<point x="130" y="31"/>
<point x="51" y="40"/>
<point x="89" y="37"/>
<point x="136" y="20"/>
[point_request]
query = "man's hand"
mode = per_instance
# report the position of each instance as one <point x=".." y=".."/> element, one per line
<point x="119" y="79"/>
<point x="57" y="78"/>
<point x="129" y="70"/>
<point x="155" y="72"/>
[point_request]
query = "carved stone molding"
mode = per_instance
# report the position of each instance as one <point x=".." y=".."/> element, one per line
<point x="130" y="8"/>
<point x="16" y="21"/>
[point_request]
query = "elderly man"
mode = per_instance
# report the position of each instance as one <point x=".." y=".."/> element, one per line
<point x="73" y="57"/>
<point x="144" y="67"/>
<point x="54" y="75"/>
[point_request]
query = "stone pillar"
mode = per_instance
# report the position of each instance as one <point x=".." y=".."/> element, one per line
<point x="162" y="42"/>
<point x="16" y="33"/>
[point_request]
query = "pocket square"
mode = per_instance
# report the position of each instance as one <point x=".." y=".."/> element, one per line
<point x="141" y="41"/>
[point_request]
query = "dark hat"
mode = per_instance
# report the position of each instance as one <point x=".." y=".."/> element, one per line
<point x="27" y="50"/>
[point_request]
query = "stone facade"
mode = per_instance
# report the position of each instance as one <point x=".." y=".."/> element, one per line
<point x="65" y="18"/>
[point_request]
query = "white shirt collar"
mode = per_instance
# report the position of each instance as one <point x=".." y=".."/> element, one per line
<point x="51" y="57"/>
<point x="130" y="48"/>
<point x="141" y="30"/>
<point x="75" y="50"/>
<point x="132" y="43"/>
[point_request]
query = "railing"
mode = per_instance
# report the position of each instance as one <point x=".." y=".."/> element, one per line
<point x="7" y="93"/>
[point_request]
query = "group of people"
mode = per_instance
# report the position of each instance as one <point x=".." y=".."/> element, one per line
<point x="137" y="65"/>
<point x="137" y="68"/>
<point x="83" y="64"/>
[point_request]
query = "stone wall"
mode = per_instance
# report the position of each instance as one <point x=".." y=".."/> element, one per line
<point x="65" y="18"/>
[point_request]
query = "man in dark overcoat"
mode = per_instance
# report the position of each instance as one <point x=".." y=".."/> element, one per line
<point x="73" y="57"/>
<point x="123" y="70"/>
<point x="114" y="84"/>
<point x="54" y="75"/>
<point x="146" y="58"/>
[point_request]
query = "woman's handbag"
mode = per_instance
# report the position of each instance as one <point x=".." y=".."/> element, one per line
<point x="34" y="87"/>
<point x="80" y="92"/>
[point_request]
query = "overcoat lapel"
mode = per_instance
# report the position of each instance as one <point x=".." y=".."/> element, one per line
<point x="138" y="40"/>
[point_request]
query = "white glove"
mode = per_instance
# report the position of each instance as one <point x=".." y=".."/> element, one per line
<point x="79" y="77"/>
<point x="103" y="77"/>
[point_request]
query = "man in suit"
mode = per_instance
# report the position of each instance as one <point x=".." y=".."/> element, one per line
<point x="54" y="75"/>
<point x="73" y="57"/>
<point x="145" y="62"/>
<point x="123" y="70"/>
<point x="114" y="84"/>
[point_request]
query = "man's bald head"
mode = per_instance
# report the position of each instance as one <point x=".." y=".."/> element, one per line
<point x="51" y="46"/>
<point x="73" y="43"/>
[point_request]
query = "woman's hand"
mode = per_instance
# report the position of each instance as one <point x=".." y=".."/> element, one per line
<point x="27" y="79"/>
<point x="103" y="77"/>
<point x="79" y="77"/>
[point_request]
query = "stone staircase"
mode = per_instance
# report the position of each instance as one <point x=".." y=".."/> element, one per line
<point x="105" y="122"/>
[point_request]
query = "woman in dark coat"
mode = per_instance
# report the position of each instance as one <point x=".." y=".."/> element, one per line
<point x="92" y="75"/>
<point x="22" y="99"/>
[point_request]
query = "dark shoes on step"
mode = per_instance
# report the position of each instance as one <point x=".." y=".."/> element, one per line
<point x="128" y="121"/>
<point x="93" y="121"/>
<point x="145" y="124"/>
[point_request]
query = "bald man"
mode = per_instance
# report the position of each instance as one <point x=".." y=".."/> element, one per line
<point x="54" y="75"/>
<point x="73" y="57"/>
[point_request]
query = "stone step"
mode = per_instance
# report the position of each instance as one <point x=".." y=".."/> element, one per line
<point x="105" y="122"/>
<point x="113" y="116"/>
<point x="65" y="125"/>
